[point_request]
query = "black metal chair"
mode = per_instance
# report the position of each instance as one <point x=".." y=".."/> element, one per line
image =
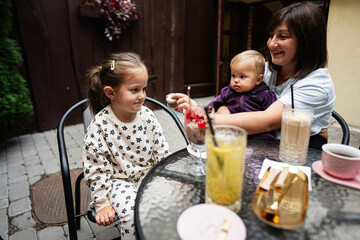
<point x="74" y="215"/>
<point x="345" y="128"/>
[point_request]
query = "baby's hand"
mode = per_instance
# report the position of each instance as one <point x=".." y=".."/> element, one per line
<point x="223" y="110"/>
<point x="105" y="216"/>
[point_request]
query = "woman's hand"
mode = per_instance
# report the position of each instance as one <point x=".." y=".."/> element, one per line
<point x="182" y="102"/>
<point x="105" y="216"/>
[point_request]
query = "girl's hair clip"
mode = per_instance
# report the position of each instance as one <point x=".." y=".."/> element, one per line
<point x="112" y="67"/>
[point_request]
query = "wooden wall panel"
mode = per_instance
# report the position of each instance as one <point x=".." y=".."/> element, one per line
<point x="86" y="39"/>
<point x="200" y="47"/>
<point x="43" y="26"/>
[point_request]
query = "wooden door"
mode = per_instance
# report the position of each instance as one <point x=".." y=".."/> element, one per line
<point x="242" y="26"/>
<point x="233" y="39"/>
<point x="200" y="47"/>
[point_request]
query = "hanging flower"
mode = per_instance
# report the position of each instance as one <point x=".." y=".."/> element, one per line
<point x="118" y="14"/>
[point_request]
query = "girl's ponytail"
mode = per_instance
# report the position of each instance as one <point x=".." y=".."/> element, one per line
<point x="97" y="99"/>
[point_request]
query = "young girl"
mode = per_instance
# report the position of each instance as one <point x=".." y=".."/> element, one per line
<point x="123" y="141"/>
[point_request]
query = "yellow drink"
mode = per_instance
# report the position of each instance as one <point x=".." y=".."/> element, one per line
<point x="225" y="166"/>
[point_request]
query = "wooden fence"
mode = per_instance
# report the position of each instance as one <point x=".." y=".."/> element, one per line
<point x="60" y="40"/>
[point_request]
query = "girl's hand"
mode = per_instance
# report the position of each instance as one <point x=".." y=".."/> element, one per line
<point x="105" y="216"/>
<point x="183" y="102"/>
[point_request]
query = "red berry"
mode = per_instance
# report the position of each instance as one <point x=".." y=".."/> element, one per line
<point x="188" y="115"/>
<point x="201" y="124"/>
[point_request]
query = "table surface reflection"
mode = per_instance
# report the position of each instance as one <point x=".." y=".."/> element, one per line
<point x="333" y="210"/>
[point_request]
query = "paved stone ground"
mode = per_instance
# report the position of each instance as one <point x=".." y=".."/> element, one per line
<point x="25" y="159"/>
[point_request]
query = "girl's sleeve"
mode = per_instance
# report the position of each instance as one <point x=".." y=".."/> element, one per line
<point x="161" y="146"/>
<point x="97" y="168"/>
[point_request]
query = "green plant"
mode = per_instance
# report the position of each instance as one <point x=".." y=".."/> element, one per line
<point x="15" y="106"/>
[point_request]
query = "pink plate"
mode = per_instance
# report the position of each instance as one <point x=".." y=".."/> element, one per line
<point x="204" y="221"/>
<point x="353" y="183"/>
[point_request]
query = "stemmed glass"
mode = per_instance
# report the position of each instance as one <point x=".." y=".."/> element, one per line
<point x="195" y="125"/>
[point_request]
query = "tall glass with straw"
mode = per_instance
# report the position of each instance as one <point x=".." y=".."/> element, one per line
<point x="295" y="132"/>
<point x="225" y="164"/>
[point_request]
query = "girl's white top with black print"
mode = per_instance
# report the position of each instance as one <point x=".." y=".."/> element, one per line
<point x="113" y="149"/>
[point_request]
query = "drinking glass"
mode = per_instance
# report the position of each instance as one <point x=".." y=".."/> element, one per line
<point x="195" y="125"/>
<point x="295" y="134"/>
<point x="225" y="166"/>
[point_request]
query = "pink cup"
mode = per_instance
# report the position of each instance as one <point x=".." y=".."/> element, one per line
<point x="340" y="161"/>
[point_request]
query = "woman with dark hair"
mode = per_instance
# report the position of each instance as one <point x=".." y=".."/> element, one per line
<point x="298" y="56"/>
<point x="306" y="22"/>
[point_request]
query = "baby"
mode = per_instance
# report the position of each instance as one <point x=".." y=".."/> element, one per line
<point x="246" y="91"/>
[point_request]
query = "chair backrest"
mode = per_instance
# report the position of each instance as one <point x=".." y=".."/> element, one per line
<point x="345" y="128"/>
<point x="87" y="116"/>
<point x="65" y="169"/>
<point x="74" y="215"/>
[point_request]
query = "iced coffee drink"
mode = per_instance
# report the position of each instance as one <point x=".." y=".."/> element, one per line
<point x="295" y="134"/>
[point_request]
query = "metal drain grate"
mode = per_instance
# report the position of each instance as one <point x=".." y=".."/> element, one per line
<point x="48" y="201"/>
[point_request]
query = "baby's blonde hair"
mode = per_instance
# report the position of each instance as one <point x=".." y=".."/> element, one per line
<point x="252" y="56"/>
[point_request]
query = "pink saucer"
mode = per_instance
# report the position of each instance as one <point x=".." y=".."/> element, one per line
<point x="353" y="183"/>
<point x="204" y="221"/>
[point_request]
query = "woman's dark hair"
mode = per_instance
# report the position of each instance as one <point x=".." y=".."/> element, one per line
<point x="307" y="22"/>
<point x="115" y="69"/>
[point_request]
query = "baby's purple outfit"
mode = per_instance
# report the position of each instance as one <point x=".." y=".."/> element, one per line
<point x="258" y="99"/>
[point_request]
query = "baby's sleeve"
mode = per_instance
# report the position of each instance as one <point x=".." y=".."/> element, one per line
<point x="268" y="98"/>
<point x="220" y="100"/>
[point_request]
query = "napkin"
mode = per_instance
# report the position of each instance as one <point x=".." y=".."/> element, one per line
<point x="269" y="163"/>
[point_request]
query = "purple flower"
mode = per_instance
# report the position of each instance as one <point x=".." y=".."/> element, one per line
<point x="118" y="14"/>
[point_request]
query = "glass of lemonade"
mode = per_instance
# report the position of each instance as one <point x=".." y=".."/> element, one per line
<point x="225" y="165"/>
<point x="295" y="134"/>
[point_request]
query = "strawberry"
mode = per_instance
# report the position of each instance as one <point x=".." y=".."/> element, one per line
<point x="201" y="117"/>
<point x="201" y="124"/>
<point x="188" y="115"/>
